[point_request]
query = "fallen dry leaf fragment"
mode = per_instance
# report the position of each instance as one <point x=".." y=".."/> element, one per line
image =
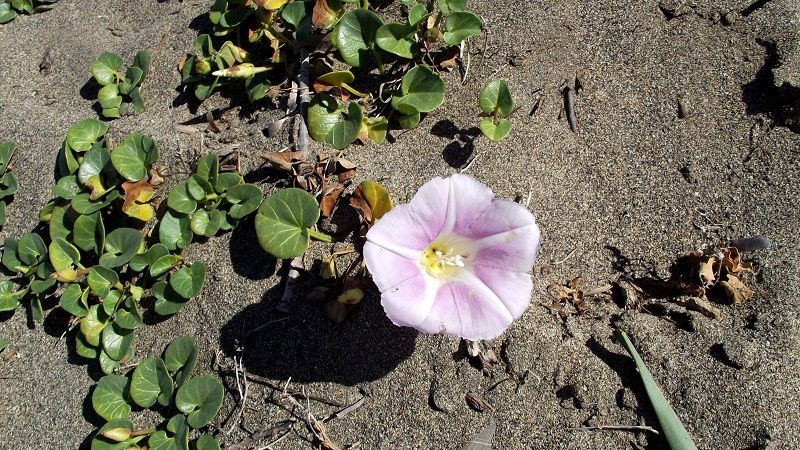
<point x="702" y="306"/>
<point x="732" y="261"/>
<point x="330" y="198"/>
<point x="478" y="403"/>
<point x="734" y="291"/>
<point x="283" y="160"/>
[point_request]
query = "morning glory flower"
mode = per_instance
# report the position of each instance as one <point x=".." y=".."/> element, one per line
<point x="454" y="260"/>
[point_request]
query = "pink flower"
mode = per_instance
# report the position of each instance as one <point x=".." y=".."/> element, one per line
<point x="454" y="260"/>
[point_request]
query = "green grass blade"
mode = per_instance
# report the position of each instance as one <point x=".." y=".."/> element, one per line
<point x="677" y="436"/>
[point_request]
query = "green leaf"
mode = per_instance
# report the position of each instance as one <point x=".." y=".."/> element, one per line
<point x="62" y="221"/>
<point x="134" y="156"/>
<point x="180" y="200"/>
<point x="10" y="258"/>
<point x="101" y="280"/>
<point x="245" y="199"/>
<point x="10" y="299"/>
<point x="283" y="220"/>
<point x="376" y="128"/>
<point x="198" y="188"/>
<point x="109" y="365"/>
<point x="109" y="97"/>
<point x="328" y="122"/>
<point x="199" y="222"/>
<point x="226" y="181"/>
<point x="377" y="197"/>
<point x="496" y="99"/>
<point x="31" y="249"/>
<point x="461" y="25"/>
<point x="67" y="187"/>
<point x="83" y="135"/>
<point x="409" y="121"/>
<point x="141" y="261"/>
<point x="417" y="14"/>
<point x="168" y="302"/>
<point x="677" y="436"/>
<point x="63" y="255"/>
<point x="208" y="167"/>
<point x="422" y="90"/>
<point x="257" y="87"/>
<point x="150" y="383"/>
<point x="106" y="68"/>
<point x="9" y="181"/>
<point x="7" y="150"/>
<point x="116" y="342"/>
<point x="206" y="441"/>
<point x="189" y="281"/>
<point x="180" y="357"/>
<point x="164" y="264"/>
<point x="398" y="39"/>
<point x="174" y="231"/>
<point x="451" y="6"/>
<point x="73" y="301"/>
<point x="85" y="349"/>
<point x="133" y="76"/>
<point x="108" y="398"/>
<point x="128" y="315"/>
<point x="177" y="439"/>
<point x="121" y="245"/>
<point x="95" y="162"/>
<point x="495" y="131"/>
<point x="6" y="13"/>
<point x="355" y="36"/>
<point x="142" y="60"/>
<point x="89" y="232"/>
<point x="83" y="204"/>
<point x="200" y="398"/>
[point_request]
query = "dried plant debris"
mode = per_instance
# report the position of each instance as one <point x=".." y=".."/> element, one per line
<point x="478" y="403"/>
<point x="482" y="356"/>
<point x="569" y="299"/>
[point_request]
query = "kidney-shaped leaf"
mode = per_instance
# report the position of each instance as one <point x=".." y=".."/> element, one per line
<point x="206" y="442"/>
<point x="89" y="233"/>
<point x="354" y="36"/>
<point x="188" y="281"/>
<point x="495" y="131"/>
<point x="329" y="123"/>
<point x="496" y="99"/>
<point x="176" y="439"/>
<point x="121" y="245"/>
<point x="397" y="38"/>
<point x="245" y="199"/>
<point x="451" y="6"/>
<point x="422" y="90"/>
<point x="101" y="280"/>
<point x="168" y="302"/>
<point x="83" y="135"/>
<point x="461" y="25"/>
<point x="73" y="301"/>
<point x="174" y="231"/>
<point x="180" y="357"/>
<point x="106" y="68"/>
<point x="283" y="220"/>
<point x="180" y="199"/>
<point x="134" y="156"/>
<point x="108" y="398"/>
<point x="116" y="342"/>
<point x="151" y="382"/>
<point x="200" y="398"/>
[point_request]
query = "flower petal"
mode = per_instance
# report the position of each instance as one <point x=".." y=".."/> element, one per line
<point x="499" y="217"/>
<point x="513" y="250"/>
<point x="389" y="269"/>
<point x="467" y="309"/>
<point x="409" y="302"/>
<point x="512" y="288"/>
<point x="469" y="200"/>
<point x="429" y="207"/>
<point x="400" y="231"/>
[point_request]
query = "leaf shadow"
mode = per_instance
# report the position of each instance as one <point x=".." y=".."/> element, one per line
<point x="458" y="153"/>
<point x="307" y="347"/>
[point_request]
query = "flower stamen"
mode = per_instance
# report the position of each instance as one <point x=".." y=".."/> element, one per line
<point x="441" y="260"/>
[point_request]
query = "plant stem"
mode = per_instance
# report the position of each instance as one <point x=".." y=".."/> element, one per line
<point x="378" y="59"/>
<point x="365" y="4"/>
<point x="320" y="236"/>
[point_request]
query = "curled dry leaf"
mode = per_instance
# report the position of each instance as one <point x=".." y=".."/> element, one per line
<point x="478" y="403"/>
<point x="734" y="291"/>
<point x="157" y="174"/>
<point x="283" y="160"/>
<point x="732" y="261"/>
<point x="136" y="197"/>
<point x="229" y="162"/>
<point x="447" y="59"/>
<point x="330" y="198"/>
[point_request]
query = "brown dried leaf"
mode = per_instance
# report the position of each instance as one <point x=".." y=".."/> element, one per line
<point x="275" y="127"/>
<point x="732" y="262"/>
<point x="702" y="306"/>
<point x="273" y="93"/>
<point x="140" y="191"/>
<point x="707" y="270"/>
<point x="157" y="175"/>
<point x="330" y="198"/>
<point x="211" y="124"/>
<point x="229" y="162"/>
<point x="735" y="291"/>
<point x="187" y="129"/>
<point x="478" y="403"/>
<point x="448" y="58"/>
<point x="283" y="160"/>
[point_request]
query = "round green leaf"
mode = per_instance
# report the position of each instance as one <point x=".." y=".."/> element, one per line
<point x="89" y="233"/>
<point x="198" y="188"/>
<point x="207" y="442"/>
<point x="141" y="261"/>
<point x="31" y="249"/>
<point x="417" y="14"/>
<point x="9" y="299"/>
<point x="180" y="200"/>
<point x="128" y="315"/>
<point x="121" y="245"/>
<point x="101" y="280"/>
<point x="188" y="281"/>
<point x="175" y="438"/>
<point x="95" y="162"/>
<point x="134" y="156"/>
<point x="73" y="301"/>
<point x="106" y="68"/>
<point x="180" y="357"/>
<point x="283" y="220"/>
<point x="451" y="6"/>
<point x="6" y="13"/>
<point x="108" y="398"/>
<point x="150" y="383"/>
<point x="116" y="342"/>
<point x="496" y="99"/>
<point x="208" y="167"/>
<point x="63" y="255"/>
<point x="85" y="349"/>
<point x="245" y="199"/>
<point x="226" y="181"/>
<point x="83" y="204"/>
<point x="199" y="221"/>
<point x="109" y="97"/>
<point x="93" y="324"/>
<point x="336" y="78"/>
<point x="461" y="25"/>
<point x="174" y="231"/>
<point x="495" y="131"/>
<point x="67" y="187"/>
<point x="200" y="398"/>
<point x="409" y="121"/>
<point x="354" y="36"/>
<point x="328" y="122"/>
<point x="168" y="302"/>
<point x="163" y="264"/>
<point x="397" y="38"/>
<point x="422" y="90"/>
<point x="84" y="134"/>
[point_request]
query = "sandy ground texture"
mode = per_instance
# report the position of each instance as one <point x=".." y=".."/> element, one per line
<point x="633" y="190"/>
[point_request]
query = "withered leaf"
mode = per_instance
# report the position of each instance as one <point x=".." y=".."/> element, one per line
<point x="211" y="124"/>
<point x="448" y="58"/>
<point x="734" y="291"/>
<point x="732" y="262"/>
<point x="330" y="198"/>
<point x="478" y="403"/>
<point x="140" y="191"/>
<point x="275" y="127"/>
<point x="283" y="160"/>
<point x="707" y="270"/>
<point x="229" y="162"/>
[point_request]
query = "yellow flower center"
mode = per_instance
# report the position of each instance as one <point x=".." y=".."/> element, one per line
<point x="445" y="257"/>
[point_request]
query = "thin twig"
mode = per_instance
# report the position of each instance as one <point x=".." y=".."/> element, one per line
<point x="631" y="428"/>
<point x="284" y="388"/>
<point x="303" y="81"/>
<point x="471" y="161"/>
<point x="562" y="261"/>
<point x="280" y="438"/>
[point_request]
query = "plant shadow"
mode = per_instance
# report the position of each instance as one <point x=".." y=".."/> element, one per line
<point x="458" y="153"/>
<point x="307" y="347"/>
<point x="247" y="257"/>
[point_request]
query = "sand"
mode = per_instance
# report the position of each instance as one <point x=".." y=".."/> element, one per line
<point x="624" y="196"/>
